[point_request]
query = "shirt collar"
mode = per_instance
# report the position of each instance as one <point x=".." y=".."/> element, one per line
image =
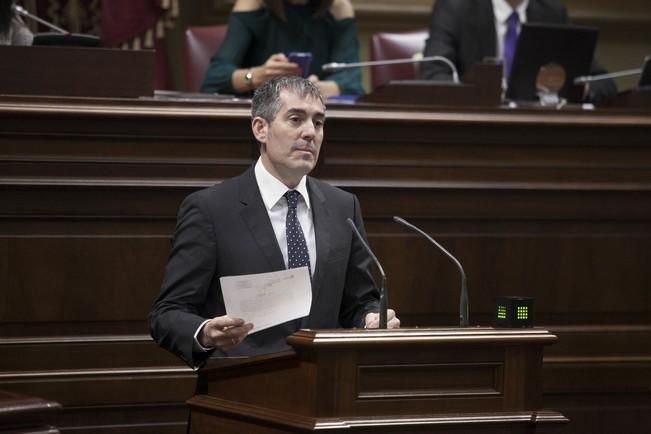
<point x="272" y="189"/>
<point x="502" y="10"/>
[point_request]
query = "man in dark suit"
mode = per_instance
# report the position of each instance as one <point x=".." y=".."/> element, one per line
<point x="467" y="31"/>
<point x="239" y="227"/>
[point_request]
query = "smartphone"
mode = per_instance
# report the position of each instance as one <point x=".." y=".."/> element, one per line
<point x="302" y="59"/>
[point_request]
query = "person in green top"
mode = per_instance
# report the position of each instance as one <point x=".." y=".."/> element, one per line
<point x="261" y="33"/>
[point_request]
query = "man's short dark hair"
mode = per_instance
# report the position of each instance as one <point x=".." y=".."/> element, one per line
<point x="266" y="99"/>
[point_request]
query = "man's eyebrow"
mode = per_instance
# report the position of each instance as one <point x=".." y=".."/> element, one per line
<point x="296" y="111"/>
<point x="302" y="112"/>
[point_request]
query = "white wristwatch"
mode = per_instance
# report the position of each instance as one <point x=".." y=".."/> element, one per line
<point x="248" y="77"/>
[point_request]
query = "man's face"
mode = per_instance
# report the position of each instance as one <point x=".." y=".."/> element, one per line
<point x="290" y="144"/>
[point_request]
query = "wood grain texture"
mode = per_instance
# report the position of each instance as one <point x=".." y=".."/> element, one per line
<point x="459" y="364"/>
<point x="24" y="414"/>
<point x="554" y="205"/>
<point x="98" y="72"/>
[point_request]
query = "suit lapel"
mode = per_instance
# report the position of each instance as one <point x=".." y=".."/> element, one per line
<point x="256" y="218"/>
<point x="322" y="234"/>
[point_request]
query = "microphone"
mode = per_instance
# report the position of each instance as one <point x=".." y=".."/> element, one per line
<point x="23" y="12"/>
<point x="336" y="66"/>
<point x="383" y="287"/>
<point x="592" y="78"/>
<point x="464" y="309"/>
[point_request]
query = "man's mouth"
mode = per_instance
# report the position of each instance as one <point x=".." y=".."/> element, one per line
<point x="305" y="149"/>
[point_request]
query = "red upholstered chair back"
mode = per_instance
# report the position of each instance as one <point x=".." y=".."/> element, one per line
<point x="387" y="46"/>
<point x="199" y="45"/>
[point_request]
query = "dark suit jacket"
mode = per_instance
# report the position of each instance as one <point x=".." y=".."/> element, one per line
<point x="464" y="32"/>
<point x="225" y="230"/>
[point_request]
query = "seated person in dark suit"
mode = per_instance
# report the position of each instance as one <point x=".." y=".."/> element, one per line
<point x="261" y="33"/>
<point x="239" y="227"/>
<point x="467" y="31"/>
<point x="13" y="30"/>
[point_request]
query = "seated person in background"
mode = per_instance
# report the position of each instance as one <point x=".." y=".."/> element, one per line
<point x="13" y="30"/>
<point x="467" y="31"/>
<point x="261" y="32"/>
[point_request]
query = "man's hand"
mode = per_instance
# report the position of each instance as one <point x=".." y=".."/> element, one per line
<point x="373" y="320"/>
<point x="224" y="332"/>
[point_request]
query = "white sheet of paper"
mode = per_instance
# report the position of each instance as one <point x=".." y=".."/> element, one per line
<point x="268" y="299"/>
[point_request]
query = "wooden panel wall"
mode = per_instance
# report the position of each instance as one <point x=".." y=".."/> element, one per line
<point x="554" y="205"/>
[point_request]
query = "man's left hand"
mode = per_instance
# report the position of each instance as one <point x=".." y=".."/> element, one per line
<point x="373" y="320"/>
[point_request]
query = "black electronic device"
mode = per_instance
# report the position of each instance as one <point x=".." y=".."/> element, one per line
<point x="565" y="51"/>
<point x="66" y="39"/>
<point x="514" y="312"/>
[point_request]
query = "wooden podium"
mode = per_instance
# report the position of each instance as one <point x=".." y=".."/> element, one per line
<point x="471" y="380"/>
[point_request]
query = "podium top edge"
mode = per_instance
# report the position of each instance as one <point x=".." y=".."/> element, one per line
<point x="307" y="337"/>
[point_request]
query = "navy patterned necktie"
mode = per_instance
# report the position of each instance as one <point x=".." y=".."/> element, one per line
<point x="297" y="253"/>
<point x="510" y="42"/>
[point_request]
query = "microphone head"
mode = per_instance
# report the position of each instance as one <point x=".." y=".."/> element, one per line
<point x="332" y="66"/>
<point x="18" y="9"/>
<point x="582" y="79"/>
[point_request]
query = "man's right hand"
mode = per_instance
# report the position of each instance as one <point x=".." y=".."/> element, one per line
<point x="224" y="332"/>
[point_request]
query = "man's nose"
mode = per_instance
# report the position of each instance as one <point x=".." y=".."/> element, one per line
<point x="309" y="130"/>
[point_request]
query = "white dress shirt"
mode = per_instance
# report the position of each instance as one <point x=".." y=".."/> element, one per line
<point x="502" y="11"/>
<point x="272" y="191"/>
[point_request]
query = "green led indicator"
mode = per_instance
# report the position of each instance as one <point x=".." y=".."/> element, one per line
<point x="514" y="312"/>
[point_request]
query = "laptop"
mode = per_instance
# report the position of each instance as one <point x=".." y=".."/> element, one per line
<point x="571" y="47"/>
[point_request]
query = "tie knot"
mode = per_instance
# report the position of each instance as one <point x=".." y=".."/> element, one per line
<point x="292" y="198"/>
<point x="513" y="19"/>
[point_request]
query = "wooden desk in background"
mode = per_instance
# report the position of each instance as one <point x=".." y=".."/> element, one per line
<point x="554" y="205"/>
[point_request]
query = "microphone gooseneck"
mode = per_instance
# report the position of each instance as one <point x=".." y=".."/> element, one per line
<point x="383" y="287"/>
<point x="590" y="78"/>
<point x="23" y="12"/>
<point x="464" y="305"/>
<point x="335" y="66"/>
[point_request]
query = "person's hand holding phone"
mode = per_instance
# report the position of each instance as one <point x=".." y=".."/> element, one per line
<point x="303" y="60"/>
<point x="276" y="65"/>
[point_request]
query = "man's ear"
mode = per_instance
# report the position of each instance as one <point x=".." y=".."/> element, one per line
<point x="260" y="129"/>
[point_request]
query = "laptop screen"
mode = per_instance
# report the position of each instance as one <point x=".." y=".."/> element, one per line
<point x="571" y="47"/>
